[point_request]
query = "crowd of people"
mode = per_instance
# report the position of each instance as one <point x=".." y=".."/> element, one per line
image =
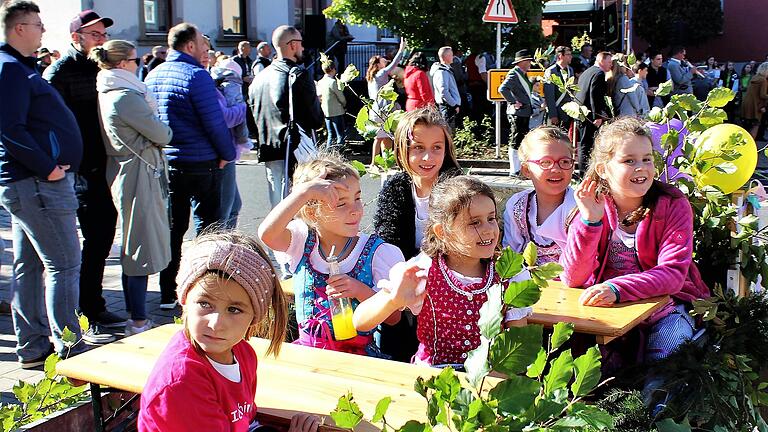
<point x="110" y="139"/>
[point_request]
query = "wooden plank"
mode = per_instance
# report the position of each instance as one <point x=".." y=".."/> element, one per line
<point x="559" y="303"/>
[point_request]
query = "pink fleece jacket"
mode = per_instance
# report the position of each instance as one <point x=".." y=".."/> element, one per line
<point x="664" y="241"/>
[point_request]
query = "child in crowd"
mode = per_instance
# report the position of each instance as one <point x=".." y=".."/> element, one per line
<point x="539" y="215"/>
<point x="425" y="153"/>
<point x="227" y="75"/>
<point x="632" y="238"/>
<point x="459" y="249"/>
<point x="326" y="199"/>
<point x="229" y="293"/>
<point x="538" y="105"/>
<point x="333" y="103"/>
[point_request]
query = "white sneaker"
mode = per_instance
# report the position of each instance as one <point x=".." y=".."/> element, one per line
<point x="169" y="306"/>
<point x="131" y="329"/>
<point x="96" y="336"/>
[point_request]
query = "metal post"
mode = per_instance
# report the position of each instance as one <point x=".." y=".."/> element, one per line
<point x="98" y="419"/>
<point x="498" y="104"/>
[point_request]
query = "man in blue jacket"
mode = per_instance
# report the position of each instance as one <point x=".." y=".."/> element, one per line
<point x="201" y="146"/>
<point x="39" y="143"/>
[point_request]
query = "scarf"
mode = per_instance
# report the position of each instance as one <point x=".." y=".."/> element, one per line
<point x="116" y="79"/>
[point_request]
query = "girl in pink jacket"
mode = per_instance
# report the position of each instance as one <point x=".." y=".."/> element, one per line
<point x="632" y="237"/>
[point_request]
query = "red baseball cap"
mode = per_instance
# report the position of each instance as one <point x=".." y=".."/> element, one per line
<point x="87" y="18"/>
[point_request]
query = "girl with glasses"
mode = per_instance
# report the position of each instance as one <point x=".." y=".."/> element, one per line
<point x="539" y="215"/>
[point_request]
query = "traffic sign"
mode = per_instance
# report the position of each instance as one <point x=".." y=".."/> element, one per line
<point x="500" y="11"/>
<point x="496" y="77"/>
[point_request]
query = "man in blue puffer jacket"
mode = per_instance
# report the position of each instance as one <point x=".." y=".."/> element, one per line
<point x="201" y="146"/>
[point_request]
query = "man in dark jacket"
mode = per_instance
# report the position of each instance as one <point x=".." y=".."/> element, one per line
<point x="592" y="92"/>
<point x="268" y="97"/>
<point x="552" y="94"/>
<point x="74" y="76"/>
<point x="159" y="53"/>
<point x="39" y="143"/>
<point x="201" y="146"/>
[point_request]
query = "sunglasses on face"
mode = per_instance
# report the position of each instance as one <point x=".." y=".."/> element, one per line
<point x="95" y="34"/>
<point x="549" y="163"/>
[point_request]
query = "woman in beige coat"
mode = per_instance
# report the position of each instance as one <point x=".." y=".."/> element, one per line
<point x="755" y="100"/>
<point x="137" y="170"/>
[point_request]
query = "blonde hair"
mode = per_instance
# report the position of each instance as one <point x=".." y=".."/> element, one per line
<point x="618" y="67"/>
<point x="540" y="135"/>
<point x="427" y="116"/>
<point x="448" y="200"/>
<point x="606" y="141"/>
<point x="109" y="55"/>
<point x="274" y="324"/>
<point x="336" y="168"/>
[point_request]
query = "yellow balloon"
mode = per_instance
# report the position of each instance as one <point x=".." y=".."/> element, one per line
<point x="711" y="142"/>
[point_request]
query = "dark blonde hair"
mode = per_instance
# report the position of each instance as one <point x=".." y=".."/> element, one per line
<point x="373" y="68"/>
<point x="539" y="135"/>
<point x="448" y="200"/>
<point x="336" y="168"/>
<point x="109" y="55"/>
<point x="427" y="116"/>
<point x="609" y="136"/>
<point x="272" y="326"/>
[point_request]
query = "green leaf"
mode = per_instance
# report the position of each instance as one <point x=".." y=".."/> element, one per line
<point x="84" y="324"/>
<point x="530" y="254"/>
<point x="664" y="89"/>
<point x="349" y="74"/>
<point x="726" y="168"/>
<point x="574" y="109"/>
<point x="537" y="367"/>
<point x="631" y="59"/>
<point x="460" y="405"/>
<point x="656" y="115"/>
<point x="547" y="271"/>
<point x="560" y="372"/>
<point x="516" y="394"/>
<point x="686" y="101"/>
<point x="362" y="119"/>
<point x="68" y="337"/>
<point x="719" y="97"/>
<point x="415" y="426"/>
<point x="393" y="119"/>
<point x="561" y="332"/>
<point x="586" y="417"/>
<point x="476" y="364"/>
<point x="490" y="313"/>
<point x="447" y="385"/>
<point x="509" y="264"/>
<point x="669" y="425"/>
<point x="515" y="348"/>
<point x="50" y="365"/>
<point x="347" y="413"/>
<point x="670" y="140"/>
<point x="381" y="409"/>
<point x="387" y="91"/>
<point x="587" y="372"/>
<point x="177" y="320"/>
<point x="23" y="391"/>
<point x="522" y="294"/>
<point x="359" y="166"/>
<point x="712" y="117"/>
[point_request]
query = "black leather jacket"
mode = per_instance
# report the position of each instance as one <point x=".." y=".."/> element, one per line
<point x="268" y="98"/>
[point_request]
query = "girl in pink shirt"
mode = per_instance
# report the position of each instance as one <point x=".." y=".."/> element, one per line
<point x="457" y="262"/>
<point x="205" y="379"/>
<point x="632" y="238"/>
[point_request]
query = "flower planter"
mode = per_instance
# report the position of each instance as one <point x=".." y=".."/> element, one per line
<point x="79" y="417"/>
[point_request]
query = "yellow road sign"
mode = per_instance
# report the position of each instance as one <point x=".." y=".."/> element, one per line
<point x="496" y="77"/>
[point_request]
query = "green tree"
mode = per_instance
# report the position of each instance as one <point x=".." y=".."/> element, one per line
<point x="678" y="22"/>
<point x="457" y="23"/>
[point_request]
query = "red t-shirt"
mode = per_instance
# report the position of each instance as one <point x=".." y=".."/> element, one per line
<point x="185" y="393"/>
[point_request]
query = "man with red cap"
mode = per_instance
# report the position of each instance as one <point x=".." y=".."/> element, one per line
<point x="74" y="76"/>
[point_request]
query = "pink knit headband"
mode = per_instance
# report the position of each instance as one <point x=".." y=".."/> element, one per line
<point x="243" y="265"/>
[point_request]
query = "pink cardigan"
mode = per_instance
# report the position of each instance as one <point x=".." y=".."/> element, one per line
<point x="664" y="241"/>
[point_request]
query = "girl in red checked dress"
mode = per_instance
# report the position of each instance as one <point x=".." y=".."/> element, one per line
<point x="457" y="264"/>
<point x="205" y="379"/>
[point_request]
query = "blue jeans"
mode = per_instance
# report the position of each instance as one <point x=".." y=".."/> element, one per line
<point x="335" y="126"/>
<point x="230" y="196"/>
<point x="135" y="294"/>
<point x="43" y="217"/>
<point x="276" y="179"/>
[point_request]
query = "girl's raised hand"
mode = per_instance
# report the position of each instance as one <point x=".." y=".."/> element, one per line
<point x="598" y="295"/>
<point x="409" y="289"/>
<point x="323" y="190"/>
<point x="590" y="201"/>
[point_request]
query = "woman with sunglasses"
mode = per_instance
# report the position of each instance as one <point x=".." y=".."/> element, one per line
<point x="540" y="215"/>
<point x="137" y="171"/>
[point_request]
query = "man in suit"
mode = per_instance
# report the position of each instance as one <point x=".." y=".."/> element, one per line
<point x="592" y="92"/>
<point x="555" y="99"/>
<point x="516" y="89"/>
<point x="681" y="71"/>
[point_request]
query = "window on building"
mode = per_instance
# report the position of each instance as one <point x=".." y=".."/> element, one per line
<point x="157" y="16"/>
<point x="302" y="8"/>
<point x="233" y="17"/>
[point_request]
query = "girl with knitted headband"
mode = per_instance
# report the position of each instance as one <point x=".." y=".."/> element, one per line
<point x="326" y="199"/>
<point x="229" y="293"/>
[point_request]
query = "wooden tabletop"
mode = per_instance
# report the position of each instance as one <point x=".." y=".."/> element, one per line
<point x="300" y="379"/>
<point x="560" y="303"/>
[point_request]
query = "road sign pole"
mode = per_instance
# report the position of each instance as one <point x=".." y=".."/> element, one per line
<point x="498" y="104"/>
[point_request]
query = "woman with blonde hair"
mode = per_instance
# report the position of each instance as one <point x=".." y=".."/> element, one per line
<point x="137" y="170"/>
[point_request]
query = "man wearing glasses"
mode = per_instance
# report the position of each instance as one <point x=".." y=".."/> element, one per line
<point x="74" y="76"/>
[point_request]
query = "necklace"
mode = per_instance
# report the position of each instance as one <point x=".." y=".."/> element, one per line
<point x="470" y="294"/>
<point x="340" y="254"/>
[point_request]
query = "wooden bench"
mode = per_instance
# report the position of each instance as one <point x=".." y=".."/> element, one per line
<point x="301" y="379"/>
